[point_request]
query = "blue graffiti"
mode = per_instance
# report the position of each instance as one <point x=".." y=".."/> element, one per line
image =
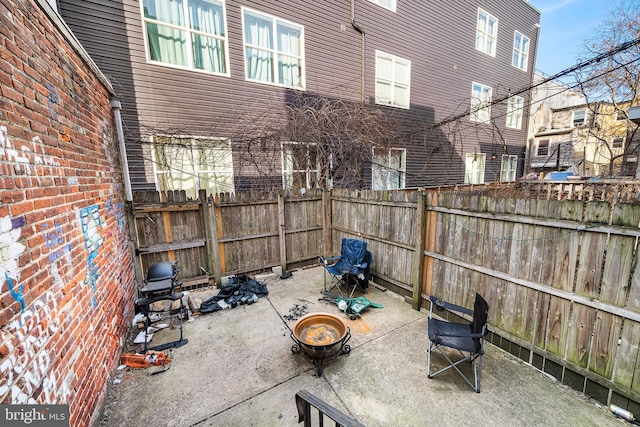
<point x="17" y="295"/>
<point x="90" y="219"/>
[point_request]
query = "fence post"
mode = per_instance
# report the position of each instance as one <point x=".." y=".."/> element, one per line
<point x="326" y="223"/>
<point x="210" y="235"/>
<point x="418" y="263"/>
<point x="282" y="232"/>
<point x="431" y="219"/>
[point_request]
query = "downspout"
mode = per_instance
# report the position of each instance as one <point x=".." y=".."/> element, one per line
<point x="362" y="57"/>
<point x="117" y="118"/>
<point x="529" y="141"/>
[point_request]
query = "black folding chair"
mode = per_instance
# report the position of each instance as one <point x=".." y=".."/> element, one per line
<point x="351" y="269"/>
<point x="465" y="338"/>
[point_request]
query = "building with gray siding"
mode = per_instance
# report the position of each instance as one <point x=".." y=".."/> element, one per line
<point x="231" y="95"/>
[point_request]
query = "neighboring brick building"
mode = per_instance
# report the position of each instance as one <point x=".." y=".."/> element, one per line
<point x="66" y="275"/>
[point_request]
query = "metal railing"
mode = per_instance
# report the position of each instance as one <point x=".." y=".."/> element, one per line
<point x="306" y="400"/>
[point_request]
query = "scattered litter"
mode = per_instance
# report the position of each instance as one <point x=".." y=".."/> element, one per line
<point x="353" y="306"/>
<point x="121" y="367"/>
<point x="116" y="381"/>
<point x="150" y="358"/>
<point x="296" y="312"/>
<point x="240" y="290"/>
<point x="139" y="339"/>
<point x="137" y="319"/>
<point x="286" y="275"/>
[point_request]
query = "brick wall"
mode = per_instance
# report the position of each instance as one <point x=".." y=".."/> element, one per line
<point x="66" y="275"/>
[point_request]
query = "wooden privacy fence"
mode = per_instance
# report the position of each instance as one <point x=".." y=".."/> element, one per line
<point x="561" y="279"/>
<point x="556" y="261"/>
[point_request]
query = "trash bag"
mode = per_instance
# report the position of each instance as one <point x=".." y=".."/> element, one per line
<point x="239" y="291"/>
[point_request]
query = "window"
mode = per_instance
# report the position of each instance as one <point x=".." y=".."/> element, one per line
<point x="187" y="33"/>
<point x="474" y="168"/>
<point x="480" y="102"/>
<point x="621" y="115"/>
<point x="274" y="50"/>
<point x="578" y="118"/>
<point x="300" y="165"/>
<point x="388" y="169"/>
<point x="617" y="142"/>
<point x="393" y="77"/>
<point x="387" y="4"/>
<point x="486" y="33"/>
<point x="520" y="51"/>
<point x="192" y="164"/>
<point x="514" y="112"/>
<point x="542" y="147"/>
<point x="508" y="168"/>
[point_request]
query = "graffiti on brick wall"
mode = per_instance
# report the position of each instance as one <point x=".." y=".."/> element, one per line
<point x="10" y="251"/>
<point x="28" y="158"/>
<point x="26" y="375"/>
<point x="91" y="228"/>
<point x="58" y="247"/>
<point x="26" y="368"/>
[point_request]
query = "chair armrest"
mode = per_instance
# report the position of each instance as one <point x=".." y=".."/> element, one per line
<point x="448" y="306"/>
<point x="324" y="260"/>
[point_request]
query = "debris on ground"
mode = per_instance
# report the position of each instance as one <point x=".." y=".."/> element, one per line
<point x="239" y="291"/>
<point x="296" y="312"/>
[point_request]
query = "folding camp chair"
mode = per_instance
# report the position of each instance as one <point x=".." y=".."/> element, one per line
<point x="351" y="269"/>
<point x="466" y="338"/>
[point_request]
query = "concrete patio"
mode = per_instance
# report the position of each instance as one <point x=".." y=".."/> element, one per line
<point x="238" y="370"/>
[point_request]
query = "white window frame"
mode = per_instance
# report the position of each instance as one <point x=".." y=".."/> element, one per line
<point x="573" y="118"/>
<point x="311" y="172"/>
<point x="508" y="168"/>
<point x="520" y="51"/>
<point x="548" y="145"/>
<point x="189" y="33"/>
<point x="474" y="168"/>
<point x="480" y="106"/>
<point x="515" y="107"/>
<point x="486" y="39"/>
<point x="392" y="80"/>
<point x="275" y="51"/>
<point x="387" y="4"/>
<point x="220" y="149"/>
<point x="384" y="174"/>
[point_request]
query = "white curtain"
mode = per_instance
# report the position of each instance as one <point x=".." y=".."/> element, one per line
<point x="166" y="44"/>
<point x="288" y="61"/>
<point x="258" y="33"/>
<point x="208" y="52"/>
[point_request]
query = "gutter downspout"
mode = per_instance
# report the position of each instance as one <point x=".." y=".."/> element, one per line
<point x="362" y="57"/>
<point x="529" y="141"/>
<point x="116" y="106"/>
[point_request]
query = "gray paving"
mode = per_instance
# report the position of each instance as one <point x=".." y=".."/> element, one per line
<point x="238" y="370"/>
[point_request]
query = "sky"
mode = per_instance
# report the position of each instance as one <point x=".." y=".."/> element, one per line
<point x="564" y="27"/>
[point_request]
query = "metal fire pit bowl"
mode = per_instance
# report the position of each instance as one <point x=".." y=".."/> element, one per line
<point x="320" y="336"/>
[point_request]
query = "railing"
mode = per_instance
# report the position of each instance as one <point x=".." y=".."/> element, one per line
<point x="304" y="402"/>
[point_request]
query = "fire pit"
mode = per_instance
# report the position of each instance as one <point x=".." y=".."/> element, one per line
<point x="320" y="336"/>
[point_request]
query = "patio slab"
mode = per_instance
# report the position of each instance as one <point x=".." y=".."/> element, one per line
<point x="238" y="370"/>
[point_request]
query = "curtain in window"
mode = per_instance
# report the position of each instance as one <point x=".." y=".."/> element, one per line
<point x="166" y="44"/>
<point x="474" y="169"/>
<point x="481" y="96"/>
<point x="208" y="52"/>
<point x="258" y="32"/>
<point x="288" y="61"/>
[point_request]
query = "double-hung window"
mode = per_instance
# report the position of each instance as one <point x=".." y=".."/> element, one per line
<point x="474" y="168"/>
<point x="300" y="165"/>
<point x="508" y="168"/>
<point x="273" y="50"/>
<point x="486" y="33"/>
<point x="520" y="51"/>
<point x="542" y="147"/>
<point x="388" y="169"/>
<point x="193" y="164"/>
<point x="387" y="4"/>
<point x="578" y="118"/>
<point x="480" y="102"/>
<point x="187" y="33"/>
<point x="514" y="112"/>
<point x="393" y="80"/>
<point x="617" y="143"/>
